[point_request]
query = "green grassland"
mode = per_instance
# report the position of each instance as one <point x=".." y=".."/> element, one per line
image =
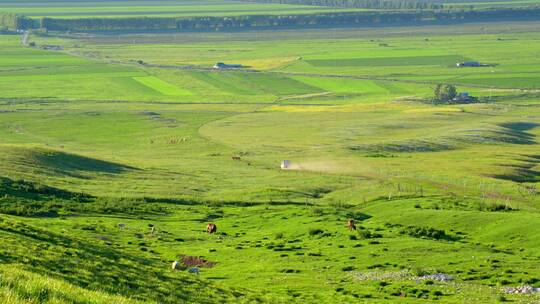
<point x="161" y="8"/>
<point x="90" y="138"/>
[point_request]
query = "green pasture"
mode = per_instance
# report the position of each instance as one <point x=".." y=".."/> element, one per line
<point x="119" y="9"/>
<point x="175" y="144"/>
<point x="91" y="138"/>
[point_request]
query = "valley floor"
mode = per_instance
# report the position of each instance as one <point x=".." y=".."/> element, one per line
<point x="107" y="137"/>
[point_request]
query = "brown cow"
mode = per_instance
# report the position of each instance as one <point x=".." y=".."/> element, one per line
<point x="211" y="228"/>
<point x="236" y="158"/>
<point x="351" y="225"/>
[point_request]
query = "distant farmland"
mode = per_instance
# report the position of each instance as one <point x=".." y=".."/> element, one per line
<point x="161" y="8"/>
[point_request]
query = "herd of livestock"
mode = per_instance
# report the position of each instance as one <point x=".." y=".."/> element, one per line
<point x="211" y="228"/>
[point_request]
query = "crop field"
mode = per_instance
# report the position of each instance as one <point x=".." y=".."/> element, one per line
<point x="185" y="8"/>
<point x="160" y="8"/>
<point x="116" y="151"/>
<point x="412" y="60"/>
<point x="161" y="86"/>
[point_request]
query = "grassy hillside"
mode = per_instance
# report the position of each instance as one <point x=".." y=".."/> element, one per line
<point x="314" y="250"/>
<point x="19" y="286"/>
<point x="91" y="262"/>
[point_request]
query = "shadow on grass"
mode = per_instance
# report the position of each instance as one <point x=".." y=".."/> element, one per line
<point x="73" y="165"/>
<point x="35" y="191"/>
<point x="515" y="132"/>
<point x="524" y="172"/>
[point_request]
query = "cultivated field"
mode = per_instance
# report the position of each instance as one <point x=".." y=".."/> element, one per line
<point x="104" y="136"/>
<point x="160" y="8"/>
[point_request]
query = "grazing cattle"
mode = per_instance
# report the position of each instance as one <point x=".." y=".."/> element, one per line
<point x="194" y="270"/>
<point x="236" y="158"/>
<point x="351" y="225"/>
<point x="211" y="228"/>
<point x="175" y="265"/>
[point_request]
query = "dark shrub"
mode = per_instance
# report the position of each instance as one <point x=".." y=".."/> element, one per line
<point x="426" y="232"/>
<point x="286" y="270"/>
<point x="348" y="268"/>
<point x="315" y="231"/>
<point x="366" y="234"/>
<point x="318" y="212"/>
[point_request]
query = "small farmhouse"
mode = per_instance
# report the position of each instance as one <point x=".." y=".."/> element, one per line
<point x="469" y="64"/>
<point x="464" y="97"/>
<point x="221" y="65"/>
<point x="51" y="47"/>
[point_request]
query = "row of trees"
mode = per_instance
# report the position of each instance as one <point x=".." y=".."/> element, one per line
<point x="236" y="22"/>
<point x="301" y="20"/>
<point x="444" y="93"/>
<point x="86" y="24"/>
<point x="370" y="4"/>
<point x="15" y="22"/>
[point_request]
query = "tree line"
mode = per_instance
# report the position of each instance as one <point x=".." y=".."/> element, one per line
<point x="15" y="22"/>
<point x="369" y="4"/>
<point x="288" y="21"/>
<point x="99" y="24"/>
